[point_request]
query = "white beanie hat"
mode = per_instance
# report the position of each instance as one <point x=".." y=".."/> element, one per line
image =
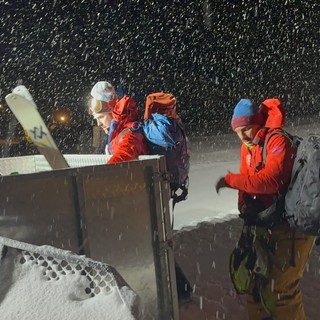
<point x="104" y="91"/>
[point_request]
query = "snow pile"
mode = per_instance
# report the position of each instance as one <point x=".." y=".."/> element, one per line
<point x="35" y="285"/>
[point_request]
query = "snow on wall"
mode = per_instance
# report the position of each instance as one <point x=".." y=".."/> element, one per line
<point x="38" y="163"/>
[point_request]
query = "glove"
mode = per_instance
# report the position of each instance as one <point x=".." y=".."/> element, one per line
<point x="221" y="184"/>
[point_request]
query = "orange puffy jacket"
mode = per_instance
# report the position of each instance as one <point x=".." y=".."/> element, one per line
<point x="264" y="182"/>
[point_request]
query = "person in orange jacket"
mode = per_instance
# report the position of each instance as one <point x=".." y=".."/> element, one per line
<point x="117" y="116"/>
<point x="262" y="185"/>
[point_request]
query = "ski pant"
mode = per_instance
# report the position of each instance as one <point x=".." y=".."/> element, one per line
<point x="285" y="277"/>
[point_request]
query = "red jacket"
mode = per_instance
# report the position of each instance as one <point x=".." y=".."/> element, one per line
<point x="264" y="182"/>
<point x="126" y="145"/>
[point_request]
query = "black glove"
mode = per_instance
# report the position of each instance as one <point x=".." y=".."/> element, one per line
<point x="251" y="205"/>
<point x="221" y="184"/>
<point x="250" y="209"/>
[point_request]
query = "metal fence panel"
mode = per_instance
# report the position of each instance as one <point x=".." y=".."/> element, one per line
<point x="117" y="214"/>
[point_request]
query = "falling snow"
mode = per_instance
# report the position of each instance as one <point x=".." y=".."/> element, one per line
<point x="207" y="54"/>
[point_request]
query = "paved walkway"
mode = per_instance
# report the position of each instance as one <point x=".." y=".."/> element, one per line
<point x="203" y="254"/>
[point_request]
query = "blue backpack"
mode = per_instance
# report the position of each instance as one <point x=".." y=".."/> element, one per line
<point x="165" y="135"/>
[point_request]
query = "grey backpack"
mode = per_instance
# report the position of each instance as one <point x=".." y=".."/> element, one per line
<point x="302" y="202"/>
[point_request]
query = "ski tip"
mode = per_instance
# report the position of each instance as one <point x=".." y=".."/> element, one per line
<point x="9" y="97"/>
<point x="20" y="91"/>
<point x="24" y="92"/>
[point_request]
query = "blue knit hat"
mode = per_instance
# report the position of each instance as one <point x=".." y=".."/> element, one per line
<point x="246" y="113"/>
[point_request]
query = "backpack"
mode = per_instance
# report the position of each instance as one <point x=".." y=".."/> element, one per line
<point x="165" y="135"/>
<point x="302" y="200"/>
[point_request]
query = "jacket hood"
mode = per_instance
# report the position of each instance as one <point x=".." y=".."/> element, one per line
<point x="274" y="113"/>
<point x="125" y="110"/>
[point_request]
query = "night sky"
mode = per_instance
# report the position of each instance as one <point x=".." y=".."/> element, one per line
<point x="207" y="53"/>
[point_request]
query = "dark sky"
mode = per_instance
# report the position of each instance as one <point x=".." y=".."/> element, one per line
<point x="208" y="53"/>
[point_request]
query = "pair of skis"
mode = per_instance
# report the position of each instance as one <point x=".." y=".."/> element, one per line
<point x="25" y="110"/>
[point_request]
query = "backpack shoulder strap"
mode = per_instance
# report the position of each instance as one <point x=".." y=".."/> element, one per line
<point x="134" y="128"/>
<point x="293" y="139"/>
<point x="123" y="132"/>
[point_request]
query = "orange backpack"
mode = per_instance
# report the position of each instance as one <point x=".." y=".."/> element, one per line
<point x="162" y="103"/>
<point x="166" y="136"/>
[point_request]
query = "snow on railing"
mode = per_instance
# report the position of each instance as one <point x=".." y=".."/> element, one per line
<point x="56" y="276"/>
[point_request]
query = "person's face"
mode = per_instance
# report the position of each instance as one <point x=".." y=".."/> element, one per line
<point x="103" y="121"/>
<point x="247" y="133"/>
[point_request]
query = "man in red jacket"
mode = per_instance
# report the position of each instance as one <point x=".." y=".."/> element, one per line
<point x="262" y="184"/>
<point x="117" y="117"/>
